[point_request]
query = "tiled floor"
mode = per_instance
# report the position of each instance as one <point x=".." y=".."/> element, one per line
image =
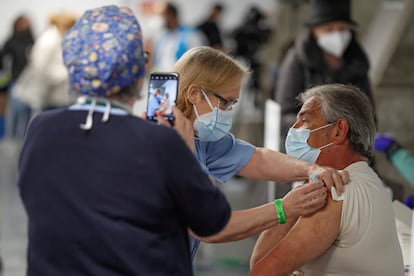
<point x="13" y="221"/>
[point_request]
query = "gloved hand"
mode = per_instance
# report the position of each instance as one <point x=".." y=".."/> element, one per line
<point x="409" y="201"/>
<point x="382" y="142"/>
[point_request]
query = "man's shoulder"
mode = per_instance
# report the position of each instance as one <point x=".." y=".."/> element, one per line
<point x="361" y="169"/>
<point x="365" y="187"/>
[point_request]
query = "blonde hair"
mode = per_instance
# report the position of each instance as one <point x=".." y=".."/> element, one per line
<point x="208" y="68"/>
<point x="63" y="20"/>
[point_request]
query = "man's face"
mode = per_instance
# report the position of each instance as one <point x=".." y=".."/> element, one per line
<point x="310" y="117"/>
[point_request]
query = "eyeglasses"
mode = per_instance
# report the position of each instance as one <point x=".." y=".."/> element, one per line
<point x="227" y="104"/>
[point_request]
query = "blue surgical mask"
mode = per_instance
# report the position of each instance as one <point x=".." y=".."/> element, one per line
<point x="297" y="144"/>
<point x="214" y="125"/>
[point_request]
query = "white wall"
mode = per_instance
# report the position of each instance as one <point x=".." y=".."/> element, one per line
<point x="38" y="11"/>
<point x="191" y="11"/>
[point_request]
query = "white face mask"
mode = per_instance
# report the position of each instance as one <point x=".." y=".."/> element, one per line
<point x="214" y="125"/>
<point x="335" y="43"/>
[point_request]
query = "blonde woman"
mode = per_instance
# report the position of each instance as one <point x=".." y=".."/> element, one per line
<point x="44" y="83"/>
<point x="209" y="88"/>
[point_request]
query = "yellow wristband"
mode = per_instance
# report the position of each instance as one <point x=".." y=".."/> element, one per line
<point x="281" y="217"/>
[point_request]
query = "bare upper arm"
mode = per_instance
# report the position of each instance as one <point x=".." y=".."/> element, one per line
<point x="251" y="170"/>
<point x="268" y="239"/>
<point x="309" y="238"/>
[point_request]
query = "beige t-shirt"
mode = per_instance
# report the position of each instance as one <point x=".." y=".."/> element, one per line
<point x="367" y="243"/>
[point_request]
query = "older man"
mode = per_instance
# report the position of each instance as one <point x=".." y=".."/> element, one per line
<point x="354" y="236"/>
<point x="327" y="51"/>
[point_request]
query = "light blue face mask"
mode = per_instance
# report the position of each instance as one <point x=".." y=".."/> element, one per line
<point x="214" y="125"/>
<point x="297" y="144"/>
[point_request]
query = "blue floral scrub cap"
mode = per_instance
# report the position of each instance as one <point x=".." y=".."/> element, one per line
<point x="103" y="51"/>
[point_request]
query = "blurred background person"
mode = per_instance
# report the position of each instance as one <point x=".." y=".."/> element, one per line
<point x="14" y="57"/>
<point x="44" y="82"/>
<point x="400" y="157"/>
<point x="174" y="40"/>
<point x="5" y="80"/>
<point x="327" y="52"/>
<point x="250" y="37"/>
<point x="210" y="27"/>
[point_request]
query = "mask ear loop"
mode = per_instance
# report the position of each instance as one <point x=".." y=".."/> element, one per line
<point x="105" y="116"/>
<point x="321" y="127"/>
<point x="208" y="100"/>
<point x="195" y="110"/>
<point x="214" y="109"/>
<point x="89" y="118"/>
<point x="327" y="145"/>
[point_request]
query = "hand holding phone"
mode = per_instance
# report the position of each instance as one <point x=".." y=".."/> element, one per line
<point x="162" y="96"/>
<point x="183" y="126"/>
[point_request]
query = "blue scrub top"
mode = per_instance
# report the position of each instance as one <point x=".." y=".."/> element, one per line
<point x="225" y="157"/>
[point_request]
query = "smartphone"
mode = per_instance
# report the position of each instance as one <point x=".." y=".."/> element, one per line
<point x="162" y="96"/>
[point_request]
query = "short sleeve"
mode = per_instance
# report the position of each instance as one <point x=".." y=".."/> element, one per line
<point x="355" y="210"/>
<point x="225" y="157"/>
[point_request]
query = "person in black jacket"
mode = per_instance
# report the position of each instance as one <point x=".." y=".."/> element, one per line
<point x="328" y="52"/>
<point x="211" y="29"/>
<point x="13" y="57"/>
<point x="104" y="190"/>
<point x="18" y="45"/>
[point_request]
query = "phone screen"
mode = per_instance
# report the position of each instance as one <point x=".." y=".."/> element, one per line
<point x="162" y="96"/>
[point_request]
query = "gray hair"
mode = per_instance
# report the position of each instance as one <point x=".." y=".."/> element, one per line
<point x="349" y="102"/>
